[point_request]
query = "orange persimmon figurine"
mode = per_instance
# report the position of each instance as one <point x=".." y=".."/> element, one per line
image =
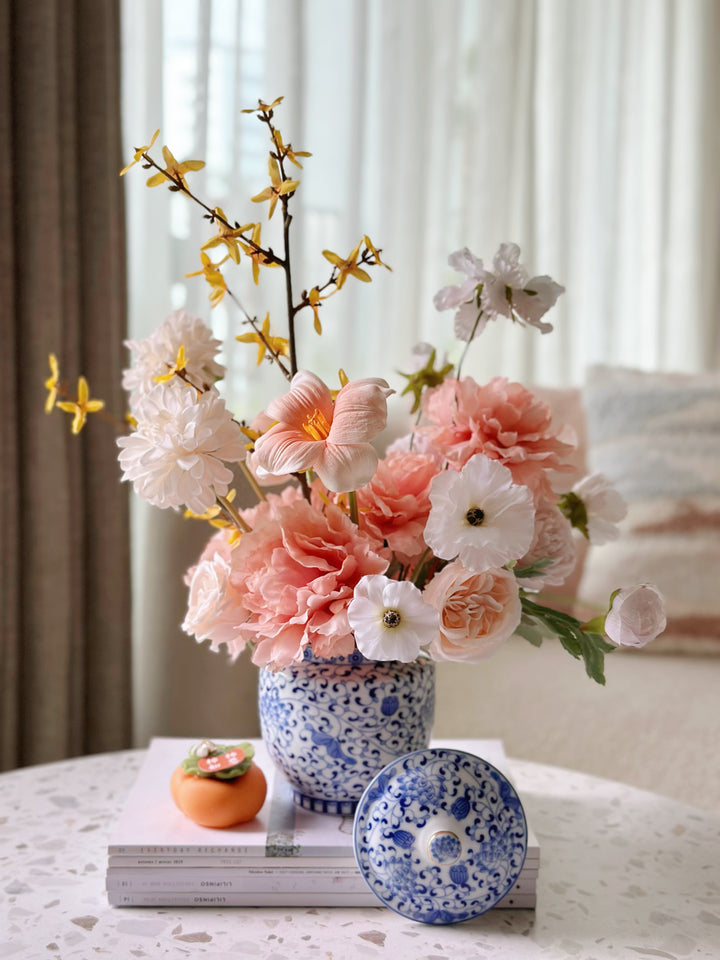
<point x="219" y="786"/>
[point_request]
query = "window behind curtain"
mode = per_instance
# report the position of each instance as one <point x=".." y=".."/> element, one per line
<point x="585" y="131"/>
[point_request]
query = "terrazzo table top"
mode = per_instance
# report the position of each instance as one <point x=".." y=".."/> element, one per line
<point x="623" y="874"/>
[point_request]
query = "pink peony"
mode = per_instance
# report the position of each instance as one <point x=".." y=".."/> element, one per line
<point x="222" y="542"/>
<point x="295" y="575"/>
<point x="552" y="540"/>
<point x="270" y="506"/>
<point x="214" y="611"/>
<point x="395" y="505"/>
<point x="417" y="443"/>
<point x="502" y="420"/>
<point x="478" y="611"/>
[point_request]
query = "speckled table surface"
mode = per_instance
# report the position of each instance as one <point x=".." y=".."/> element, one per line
<point x="624" y="874"/>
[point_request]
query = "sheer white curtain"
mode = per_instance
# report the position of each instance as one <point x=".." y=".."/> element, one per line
<point x="585" y="130"/>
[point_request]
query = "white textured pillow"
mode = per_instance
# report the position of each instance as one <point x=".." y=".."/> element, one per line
<point x="657" y="437"/>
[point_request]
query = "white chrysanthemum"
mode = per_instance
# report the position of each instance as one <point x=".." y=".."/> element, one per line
<point x="604" y="507"/>
<point x="390" y="619"/>
<point x="508" y="290"/>
<point x="175" y="456"/>
<point x="479" y="515"/>
<point x="155" y="355"/>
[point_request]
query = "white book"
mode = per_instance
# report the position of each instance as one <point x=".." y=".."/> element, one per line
<point x="304" y="899"/>
<point x="152" y="832"/>
<point x="286" y="856"/>
<point x="252" y="881"/>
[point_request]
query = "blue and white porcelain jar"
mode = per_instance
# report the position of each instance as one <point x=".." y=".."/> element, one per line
<point x="332" y="725"/>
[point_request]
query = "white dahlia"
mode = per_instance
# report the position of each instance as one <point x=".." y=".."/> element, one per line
<point x="175" y="456"/>
<point x="155" y="355"/>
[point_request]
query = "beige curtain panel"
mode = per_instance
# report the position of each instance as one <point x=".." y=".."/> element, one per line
<point x="64" y="560"/>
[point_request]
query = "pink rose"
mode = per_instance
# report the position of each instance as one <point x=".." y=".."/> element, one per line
<point x="395" y="505"/>
<point x="478" y="611"/>
<point x="214" y="611"/>
<point x="502" y="420"/>
<point x="295" y="575"/>
<point x="636" y="616"/>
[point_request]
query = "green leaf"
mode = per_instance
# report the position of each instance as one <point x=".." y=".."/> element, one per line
<point x="594" y="648"/>
<point x="535" y="569"/>
<point x="590" y="647"/>
<point x="530" y="633"/>
<point x="575" y="510"/>
<point x="570" y="642"/>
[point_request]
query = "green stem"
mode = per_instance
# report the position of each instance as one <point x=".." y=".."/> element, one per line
<point x="304" y="485"/>
<point x="467" y="345"/>
<point x="233" y="514"/>
<point x="420" y="567"/>
<point x="254" y="485"/>
<point x="353" y="504"/>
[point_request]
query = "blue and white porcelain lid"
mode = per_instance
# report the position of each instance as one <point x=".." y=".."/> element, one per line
<point x="440" y="836"/>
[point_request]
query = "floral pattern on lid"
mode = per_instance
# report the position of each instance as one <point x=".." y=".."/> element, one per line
<point x="440" y="836"/>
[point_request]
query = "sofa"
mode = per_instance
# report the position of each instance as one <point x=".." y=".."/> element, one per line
<point x="656" y="722"/>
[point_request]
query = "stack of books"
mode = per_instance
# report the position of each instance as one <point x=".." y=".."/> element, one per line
<point x="286" y="856"/>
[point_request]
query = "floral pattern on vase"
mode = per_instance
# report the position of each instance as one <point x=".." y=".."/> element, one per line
<point x="332" y="725"/>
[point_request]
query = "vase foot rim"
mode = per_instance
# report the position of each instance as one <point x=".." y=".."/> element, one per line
<point x="340" y="808"/>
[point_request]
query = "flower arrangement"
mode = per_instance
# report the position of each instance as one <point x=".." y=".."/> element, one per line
<point x="438" y="548"/>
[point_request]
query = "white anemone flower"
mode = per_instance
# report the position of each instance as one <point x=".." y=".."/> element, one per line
<point x="508" y="291"/>
<point x="604" y="507"/>
<point x="156" y="354"/>
<point x="390" y="619"/>
<point x="469" y="319"/>
<point x="479" y="515"/>
<point x="176" y="455"/>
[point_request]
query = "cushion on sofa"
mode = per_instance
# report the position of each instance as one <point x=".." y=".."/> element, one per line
<point x="657" y="437"/>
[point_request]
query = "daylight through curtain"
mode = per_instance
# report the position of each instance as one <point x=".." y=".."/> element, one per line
<point x="584" y="130"/>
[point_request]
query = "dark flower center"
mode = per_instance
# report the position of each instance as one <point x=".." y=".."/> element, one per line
<point x="391" y="618"/>
<point x="475" y="516"/>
